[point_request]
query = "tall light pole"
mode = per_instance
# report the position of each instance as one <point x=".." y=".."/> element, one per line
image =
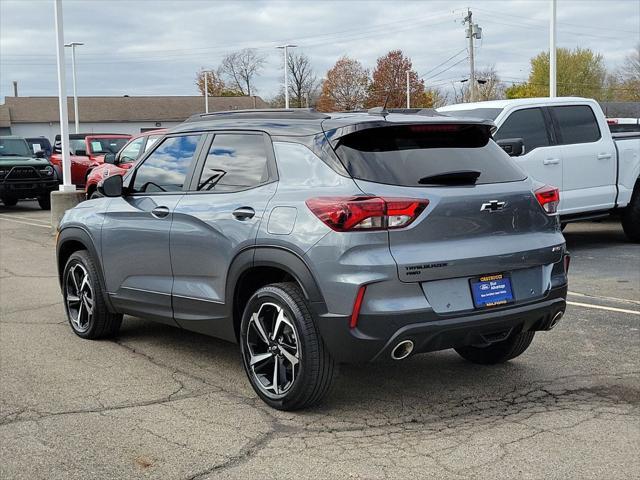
<point x="408" y="90"/>
<point x="66" y="186"/>
<point x="73" y="46"/>
<point x="552" y="50"/>
<point x="206" y="92"/>
<point x="286" y="73"/>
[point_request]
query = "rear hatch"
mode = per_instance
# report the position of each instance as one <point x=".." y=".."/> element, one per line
<point x="482" y="219"/>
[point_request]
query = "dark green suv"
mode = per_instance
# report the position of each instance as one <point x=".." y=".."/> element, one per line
<point x="23" y="174"/>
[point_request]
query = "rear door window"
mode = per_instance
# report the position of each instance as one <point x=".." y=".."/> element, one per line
<point x="527" y="124"/>
<point x="165" y="170"/>
<point x="412" y="155"/>
<point x="577" y="124"/>
<point x="234" y="162"/>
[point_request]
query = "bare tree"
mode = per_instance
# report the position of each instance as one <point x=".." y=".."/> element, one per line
<point x="303" y="83"/>
<point x="241" y="68"/>
<point x="489" y="87"/>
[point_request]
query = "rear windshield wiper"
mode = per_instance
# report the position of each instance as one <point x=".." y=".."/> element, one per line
<point x="458" y="177"/>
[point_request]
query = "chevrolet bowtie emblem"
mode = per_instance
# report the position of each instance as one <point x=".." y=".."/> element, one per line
<point x="492" y="206"/>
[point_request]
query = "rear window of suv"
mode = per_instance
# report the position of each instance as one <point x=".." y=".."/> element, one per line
<point x="406" y="155"/>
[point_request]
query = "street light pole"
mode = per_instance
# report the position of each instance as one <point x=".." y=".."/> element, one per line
<point x="408" y="91"/>
<point x="66" y="186"/>
<point x="73" y="46"/>
<point x="206" y="92"/>
<point x="286" y="73"/>
<point x="552" y="51"/>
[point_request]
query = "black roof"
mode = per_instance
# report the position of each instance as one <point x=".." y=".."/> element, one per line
<point x="304" y="122"/>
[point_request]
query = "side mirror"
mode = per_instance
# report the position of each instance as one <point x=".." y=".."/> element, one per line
<point x="110" y="158"/>
<point x="513" y="146"/>
<point x="111" y="186"/>
<point x="40" y="154"/>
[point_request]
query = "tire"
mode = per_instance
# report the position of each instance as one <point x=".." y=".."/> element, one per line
<point x="45" y="202"/>
<point x="99" y="322"/>
<point x="9" y="201"/>
<point x="302" y="359"/>
<point x="499" y="352"/>
<point x="631" y="216"/>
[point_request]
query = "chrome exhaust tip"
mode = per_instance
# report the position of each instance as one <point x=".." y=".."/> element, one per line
<point x="402" y="350"/>
<point x="556" y="318"/>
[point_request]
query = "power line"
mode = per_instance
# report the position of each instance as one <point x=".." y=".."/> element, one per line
<point x="443" y="63"/>
<point x="448" y="68"/>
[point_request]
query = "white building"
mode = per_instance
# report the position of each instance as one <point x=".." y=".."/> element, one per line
<point x="39" y="116"/>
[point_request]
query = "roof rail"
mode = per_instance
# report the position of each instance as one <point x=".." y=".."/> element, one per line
<point x="292" y="113"/>
<point x="378" y="111"/>
<point x="429" y="112"/>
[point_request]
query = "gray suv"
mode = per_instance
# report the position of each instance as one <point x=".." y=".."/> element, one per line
<point x="313" y="239"/>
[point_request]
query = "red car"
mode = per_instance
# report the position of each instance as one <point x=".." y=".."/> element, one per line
<point x="124" y="159"/>
<point x="87" y="152"/>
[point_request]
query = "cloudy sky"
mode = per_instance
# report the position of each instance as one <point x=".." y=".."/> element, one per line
<point x="151" y="47"/>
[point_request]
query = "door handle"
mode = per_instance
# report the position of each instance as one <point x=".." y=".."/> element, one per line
<point x="551" y="161"/>
<point x="160" y="212"/>
<point x="604" y="156"/>
<point x="244" y="213"/>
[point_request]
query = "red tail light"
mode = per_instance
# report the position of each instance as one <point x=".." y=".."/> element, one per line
<point x="548" y="198"/>
<point x="344" y="214"/>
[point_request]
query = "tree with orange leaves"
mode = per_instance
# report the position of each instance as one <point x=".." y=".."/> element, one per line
<point x="345" y="86"/>
<point x="389" y="83"/>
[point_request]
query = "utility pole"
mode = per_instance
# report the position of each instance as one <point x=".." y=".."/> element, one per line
<point x="286" y="73"/>
<point x="408" y="91"/>
<point x="73" y="46"/>
<point x="206" y="92"/>
<point x="473" y="31"/>
<point x="552" y="50"/>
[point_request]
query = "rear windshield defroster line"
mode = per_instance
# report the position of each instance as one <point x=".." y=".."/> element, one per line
<point x="406" y="154"/>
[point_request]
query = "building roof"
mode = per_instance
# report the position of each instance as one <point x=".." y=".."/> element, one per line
<point x="119" y="109"/>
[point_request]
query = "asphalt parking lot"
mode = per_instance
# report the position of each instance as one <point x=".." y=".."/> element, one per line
<point x="161" y="403"/>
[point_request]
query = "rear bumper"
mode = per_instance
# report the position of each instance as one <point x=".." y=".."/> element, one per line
<point x="27" y="188"/>
<point x="431" y="331"/>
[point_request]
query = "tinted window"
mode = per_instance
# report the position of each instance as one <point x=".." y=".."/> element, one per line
<point x="577" y="124"/>
<point x="234" y="162"/>
<point x="166" y="168"/>
<point x="409" y="155"/>
<point x="130" y="152"/>
<point x="529" y="125"/>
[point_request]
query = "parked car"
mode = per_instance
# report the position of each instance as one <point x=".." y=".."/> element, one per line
<point x="621" y="125"/>
<point x="37" y="144"/>
<point x="313" y="239"/>
<point x="24" y="174"/>
<point x="87" y="152"/>
<point x="566" y="142"/>
<point x="121" y="162"/>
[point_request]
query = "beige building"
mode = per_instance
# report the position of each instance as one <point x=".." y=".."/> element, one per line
<point x="39" y="116"/>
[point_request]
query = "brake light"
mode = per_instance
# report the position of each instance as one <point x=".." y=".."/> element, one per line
<point x="344" y="214"/>
<point x="549" y="198"/>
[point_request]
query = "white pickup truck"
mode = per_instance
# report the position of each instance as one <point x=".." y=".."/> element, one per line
<point x="566" y="142"/>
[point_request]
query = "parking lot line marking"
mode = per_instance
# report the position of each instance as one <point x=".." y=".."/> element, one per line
<point x="600" y="307"/>
<point x="22" y="217"/>
<point x="615" y="299"/>
<point x="25" y="223"/>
